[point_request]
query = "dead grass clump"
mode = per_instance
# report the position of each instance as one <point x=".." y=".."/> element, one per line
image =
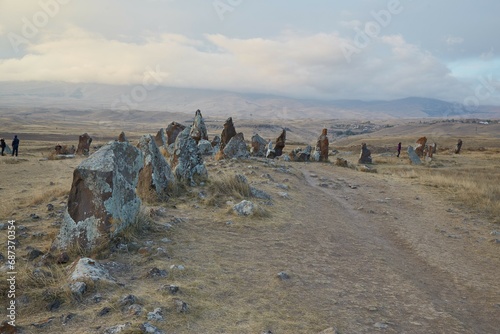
<point x="42" y="196"/>
<point x="142" y="224"/>
<point x="224" y="187"/>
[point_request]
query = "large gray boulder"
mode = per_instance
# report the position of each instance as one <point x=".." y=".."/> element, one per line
<point x="187" y="162"/>
<point x="102" y="200"/>
<point x="236" y="148"/>
<point x="156" y="175"/>
<point x="205" y="147"/>
<point x="414" y="158"/>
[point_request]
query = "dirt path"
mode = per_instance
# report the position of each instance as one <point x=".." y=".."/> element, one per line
<point x="362" y="254"/>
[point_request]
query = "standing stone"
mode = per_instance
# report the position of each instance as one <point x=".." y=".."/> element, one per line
<point x="270" y="151"/>
<point x="365" y="157"/>
<point x="227" y="133"/>
<point x="414" y="158"/>
<point x="215" y="142"/>
<point x="280" y="143"/>
<point x="421" y="142"/>
<point x="102" y="200"/>
<point x="322" y="146"/>
<point x="236" y="148"/>
<point x="300" y="155"/>
<point x="122" y="138"/>
<point x="161" y="138"/>
<point x="173" y="130"/>
<point x="84" y="142"/>
<point x="431" y="149"/>
<point x="156" y="176"/>
<point x="258" y="146"/>
<point x="458" y="147"/>
<point x="187" y="161"/>
<point x="199" y="130"/>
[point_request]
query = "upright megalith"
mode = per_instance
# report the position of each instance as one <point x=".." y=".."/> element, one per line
<point x="84" y="142"/>
<point x="322" y="145"/>
<point x="122" y="138"/>
<point x="280" y="144"/>
<point x="458" y="147"/>
<point x="156" y="177"/>
<point x="259" y="146"/>
<point x="187" y="161"/>
<point x="228" y="132"/>
<point x="173" y="130"/>
<point x="161" y="138"/>
<point x="236" y="148"/>
<point x="199" y="129"/>
<point x="421" y="146"/>
<point x="102" y="200"/>
<point x="413" y="156"/>
<point x="365" y="157"/>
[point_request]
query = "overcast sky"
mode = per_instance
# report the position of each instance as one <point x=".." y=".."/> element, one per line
<point x="326" y="49"/>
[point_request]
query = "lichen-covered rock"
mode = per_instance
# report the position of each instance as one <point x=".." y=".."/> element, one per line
<point x="244" y="208"/>
<point x="365" y="157"/>
<point x="300" y="155"/>
<point x="156" y="174"/>
<point x="86" y="269"/>
<point x="236" y="148"/>
<point x="187" y="162"/>
<point x="84" y="142"/>
<point x="280" y="144"/>
<point x="102" y="200"/>
<point x="228" y="132"/>
<point x="173" y="130"/>
<point x="259" y="146"/>
<point x="199" y="130"/>
<point x="414" y="158"/>
<point x="205" y="147"/>
<point x="161" y="138"/>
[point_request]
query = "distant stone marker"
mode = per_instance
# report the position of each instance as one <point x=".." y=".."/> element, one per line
<point x="236" y="148"/>
<point x="122" y="138"/>
<point x="228" y="132"/>
<point x="102" y="200"/>
<point x="187" y="162"/>
<point x="419" y="150"/>
<point x="173" y="130"/>
<point x="414" y="158"/>
<point x="258" y="148"/>
<point x="280" y="144"/>
<point x="199" y="130"/>
<point x="301" y="155"/>
<point x="458" y="147"/>
<point x="365" y="157"/>
<point x="84" y="142"/>
<point x="322" y="146"/>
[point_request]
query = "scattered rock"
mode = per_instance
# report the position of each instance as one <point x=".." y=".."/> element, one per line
<point x="134" y="309"/>
<point x="148" y="328"/>
<point x="97" y="298"/>
<point x="128" y="300"/>
<point x="62" y="258"/>
<point x="284" y="195"/>
<point x="181" y="306"/>
<point x="104" y="311"/>
<point x="301" y="155"/>
<point x="34" y="216"/>
<point x="43" y="323"/>
<point x="65" y="319"/>
<point x="205" y="147"/>
<point x="341" y="162"/>
<point x="84" y="142"/>
<point x="156" y="315"/>
<point x="50" y="207"/>
<point x="78" y="288"/>
<point x="381" y="325"/>
<point x="283" y="276"/>
<point x="34" y="253"/>
<point x="117" y="329"/>
<point x="254" y="192"/>
<point x="86" y="268"/>
<point x="102" y="200"/>
<point x="244" y="208"/>
<point x="187" y="162"/>
<point x="172" y="289"/>
<point x="155" y="272"/>
<point x="198" y="130"/>
<point x="365" y="157"/>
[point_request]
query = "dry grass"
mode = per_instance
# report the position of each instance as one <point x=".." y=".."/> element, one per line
<point x="224" y="187"/>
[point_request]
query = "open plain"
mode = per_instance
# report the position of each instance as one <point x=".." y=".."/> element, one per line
<point x="400" y="249"/>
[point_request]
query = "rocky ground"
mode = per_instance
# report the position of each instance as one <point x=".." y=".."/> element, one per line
<point x="334" y="248"/>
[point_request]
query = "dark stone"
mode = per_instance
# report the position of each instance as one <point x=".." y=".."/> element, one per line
<point x="280" y="144"/>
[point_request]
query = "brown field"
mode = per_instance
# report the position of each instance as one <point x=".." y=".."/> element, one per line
<point x="408" y="249"/>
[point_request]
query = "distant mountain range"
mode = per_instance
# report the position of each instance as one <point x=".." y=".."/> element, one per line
<point x="108" y="100"/>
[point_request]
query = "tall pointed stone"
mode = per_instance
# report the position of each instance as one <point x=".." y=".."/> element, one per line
<point x="199" y="129"/>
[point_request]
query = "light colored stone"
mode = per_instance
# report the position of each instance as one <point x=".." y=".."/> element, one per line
<point x="236" y="148"/>
<point x="244" y="208"/>
<point x="205" y="147"/>
<point x="187" y="162"/>
<point x="87" y="268"/>
<point x="414" y="158"/>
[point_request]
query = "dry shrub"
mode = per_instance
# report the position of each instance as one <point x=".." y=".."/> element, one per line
<point x="223" y="187"/>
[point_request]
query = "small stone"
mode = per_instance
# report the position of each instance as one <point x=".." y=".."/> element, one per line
<point x="135" y="309"/>
<point x="97" y="298"/>
<point x="34" y="253"/>
<point x="283" y="276"/>
<point x="155" y="272"/>
<point x="148" y="328"/>
<point x="65" y="319"/>
<point x="62" y="258"/>
<point x="244" y="208"/>
<point x="128" y="300"/>
<point x="282" y="186"/>
<point x="381" y="325"/>
<point x="156" y="315"/>
<point x="284" y="195"/>
<point x="118" y="329"/>
<point x="172" y="289"/>
<point x="54" y="305"/>
<point x="78" y="288"/>
<point x="50" y="207"/>
<point x="43" y="323"/>
<point x="34" y="216"/>
<point x="181" y="306"/>
<point x="104" y="311"/>
<point x="166" y="240"/>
